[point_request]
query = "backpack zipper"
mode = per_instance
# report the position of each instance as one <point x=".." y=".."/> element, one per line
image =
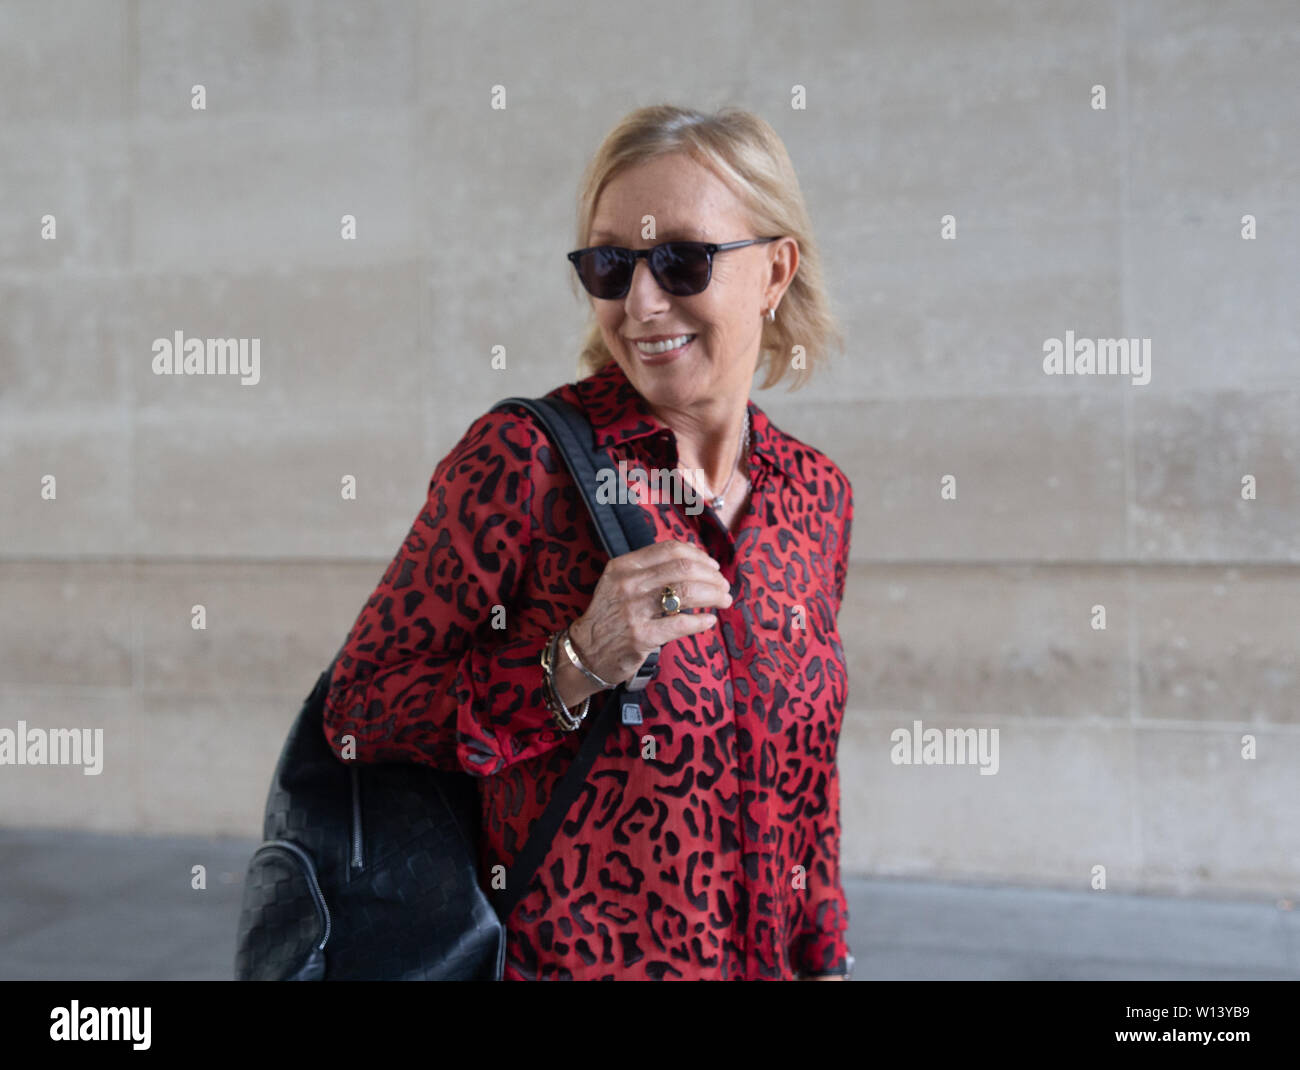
<point x="317" y="895"/>
<point x="357" y="857"/>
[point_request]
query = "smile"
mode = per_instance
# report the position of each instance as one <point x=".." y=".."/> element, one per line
<point x="666" y="346"/>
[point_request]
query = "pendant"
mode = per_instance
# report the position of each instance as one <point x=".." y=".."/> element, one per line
<point x="718" y="503"/>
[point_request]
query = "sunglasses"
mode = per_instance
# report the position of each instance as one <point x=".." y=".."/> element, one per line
<point x="682" y="268"/>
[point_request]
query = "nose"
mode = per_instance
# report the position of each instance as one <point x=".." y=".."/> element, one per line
<point x="644" y="295"/>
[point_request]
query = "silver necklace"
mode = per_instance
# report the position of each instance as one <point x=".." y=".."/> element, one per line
<point x="720" y="501"/>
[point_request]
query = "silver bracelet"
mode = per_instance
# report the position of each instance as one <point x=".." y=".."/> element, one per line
<point x="564" y="718"/>
<point x="572" y="652"/>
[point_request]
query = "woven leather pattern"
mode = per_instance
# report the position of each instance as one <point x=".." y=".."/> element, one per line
<point x="284" y="924"/>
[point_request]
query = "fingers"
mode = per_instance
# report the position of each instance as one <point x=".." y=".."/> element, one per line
<point x="693" y="592"/>
<point x="648" y="633"/>
<point x="659" y="553"/>
<point x="661" y="630"/>
<point x="626" y="620"/>
<point x="694" y="575"/>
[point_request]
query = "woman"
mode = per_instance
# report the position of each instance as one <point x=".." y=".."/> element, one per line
<point x="707" y="843"/>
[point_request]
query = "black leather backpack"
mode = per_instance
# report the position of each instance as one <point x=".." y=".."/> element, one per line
<point x="370" y="871"/>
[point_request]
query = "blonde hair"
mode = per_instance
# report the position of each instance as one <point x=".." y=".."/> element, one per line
<point x="748" y="155"/>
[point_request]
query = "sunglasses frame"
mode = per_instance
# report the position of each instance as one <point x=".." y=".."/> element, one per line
<point x="710" y="249"/>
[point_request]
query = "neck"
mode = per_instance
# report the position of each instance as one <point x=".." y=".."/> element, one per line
<point x="709" y="440"/>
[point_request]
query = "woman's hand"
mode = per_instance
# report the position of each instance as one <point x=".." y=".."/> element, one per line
<point x="625" y="621"/>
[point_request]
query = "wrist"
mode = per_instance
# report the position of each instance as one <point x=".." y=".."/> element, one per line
<point x="572" y="686"/>
<point x="569" y="643"/>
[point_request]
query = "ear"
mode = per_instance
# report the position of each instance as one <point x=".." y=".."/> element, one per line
<point x="783" y="260"/>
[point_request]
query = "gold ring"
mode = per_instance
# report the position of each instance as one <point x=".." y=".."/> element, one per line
<point x="671" y="602"/>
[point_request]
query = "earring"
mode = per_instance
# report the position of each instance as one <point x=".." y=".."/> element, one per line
<point x="771" y="314"/>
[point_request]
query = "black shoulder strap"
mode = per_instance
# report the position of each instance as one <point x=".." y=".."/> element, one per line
<point x="623" y="526"/>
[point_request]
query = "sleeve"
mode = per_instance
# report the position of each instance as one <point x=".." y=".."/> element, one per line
<point x="846" y="537"/>
<point x="821" y="943"/>
<point x="428" y="673"/>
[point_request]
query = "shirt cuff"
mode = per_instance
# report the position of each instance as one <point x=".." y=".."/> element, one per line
<point x="819" y="954"/>
<point x="502" y="716"/>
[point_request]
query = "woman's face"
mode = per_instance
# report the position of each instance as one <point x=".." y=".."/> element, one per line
<point x="689" y="203"/>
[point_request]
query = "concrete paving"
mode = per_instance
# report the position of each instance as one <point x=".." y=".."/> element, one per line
<point x="82" y="906"/>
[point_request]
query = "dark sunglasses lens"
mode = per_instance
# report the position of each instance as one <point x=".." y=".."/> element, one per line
<point x="682" y="268"/>
<point x="605" y="272"/>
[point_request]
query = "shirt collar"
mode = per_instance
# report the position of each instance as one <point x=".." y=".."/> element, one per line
<point x="619" y="414"/>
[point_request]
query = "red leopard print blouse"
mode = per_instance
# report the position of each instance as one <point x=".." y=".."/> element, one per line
<point x="717" y="858"/>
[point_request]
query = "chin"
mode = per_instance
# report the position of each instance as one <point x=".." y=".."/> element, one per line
<point x="670" y="386"/>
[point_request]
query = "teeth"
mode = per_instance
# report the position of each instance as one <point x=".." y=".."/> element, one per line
<point x="651" y="348"/>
